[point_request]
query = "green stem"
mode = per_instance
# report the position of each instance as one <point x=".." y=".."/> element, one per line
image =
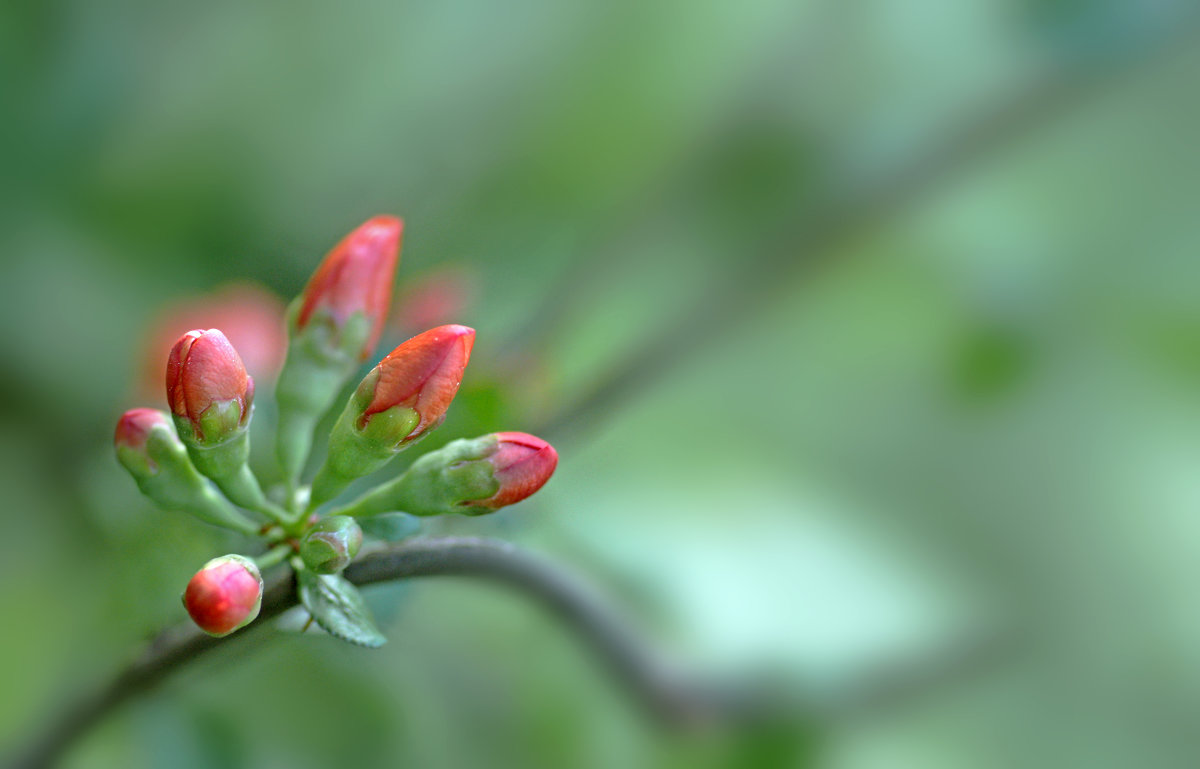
<point x="242" y="488"/>
<point x="293" y="444"/>
<point x="272" y="557"/>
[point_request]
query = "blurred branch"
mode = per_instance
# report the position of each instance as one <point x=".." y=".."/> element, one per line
<point x="623" y="651"/>
<point x="823" y="230"/>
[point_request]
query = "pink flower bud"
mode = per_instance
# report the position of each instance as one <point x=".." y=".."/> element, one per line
<point x="207" y="385"/>
<point x="469" y="476"/>
<point x="522" y="464"/>
<point x="356" y="276"/>
<point x="135" y="426"/>
<point x="224" y="595"/>
<point x="423" y="374"/>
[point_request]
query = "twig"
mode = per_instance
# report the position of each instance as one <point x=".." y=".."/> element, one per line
<point x="625" y="654"/>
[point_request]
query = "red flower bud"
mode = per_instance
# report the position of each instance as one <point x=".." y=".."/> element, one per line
<point x="469" y="476"/>
<point x="422" y="374"/>
<point x="523" y="463"/>
<point x="203" y="372"/>
<point x="356" y="276"/>
<point x="224" y="595"/>
<point x="135" y="426"/>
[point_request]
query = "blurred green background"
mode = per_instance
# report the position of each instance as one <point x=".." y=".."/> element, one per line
<point x="868" y="334"/>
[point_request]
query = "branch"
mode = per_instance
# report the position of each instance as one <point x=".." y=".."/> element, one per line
<point x="623" y="652"/>
<point x="819" y="232"/>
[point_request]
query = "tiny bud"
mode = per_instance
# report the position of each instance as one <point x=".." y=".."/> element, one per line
<point x="355" y="277"/>
<point x="399" y="401"/>
<point x="471" y="477"/>
<point x="148" y="448"/>
<point x="132" y="436"/>
<point x="224" y="595"/>
<point x="208" y="389"/>
<point x="331" y="544"/>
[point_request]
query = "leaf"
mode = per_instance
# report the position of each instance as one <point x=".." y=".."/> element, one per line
<point x="338" y="608"/>
<point x="390" y="527"/>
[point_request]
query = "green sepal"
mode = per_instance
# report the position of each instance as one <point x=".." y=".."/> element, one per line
<point x="439" y="483"/>
<point x="354" y="451"/>
<point x="324" y="341"/>
<point x="338" y="608"/>
<point x="331" y="543"/>
<point x="390" y="527"/>
<point x="220" y="423"/>
<point x="166" y="475"/>
<point x="216" y="460"/>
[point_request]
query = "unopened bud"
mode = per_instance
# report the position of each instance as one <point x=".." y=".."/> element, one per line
<point x="331" y="544"/>
<point x="211" y="399"/>
<point x="209" y="392"/>
<point x="399" y="401"/>
<point x="148" y="448"/>
<point x="471" y="477"/>
<point x="333" y="326"/>
<point x="226" y="594"/>
<point x="355" y="279"/>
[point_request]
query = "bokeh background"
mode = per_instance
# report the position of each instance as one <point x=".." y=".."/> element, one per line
<point x="868" y="333"/>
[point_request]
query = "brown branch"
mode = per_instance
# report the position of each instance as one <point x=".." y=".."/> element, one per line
<point x="622" y="651"/>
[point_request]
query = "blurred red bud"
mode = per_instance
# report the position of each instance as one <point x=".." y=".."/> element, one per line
<point x="423" y="374"/>
<point x="250" y="317"/>
<point x="135" y="425"/>
<point x="224" y="595"/>
<point x="203" y="371"/>
<point x="523" y="463"/>
<point x="356" y="276"/>
<point x="433" y="299"/>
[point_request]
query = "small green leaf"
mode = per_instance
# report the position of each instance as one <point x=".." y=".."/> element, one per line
<point x="338" y="608"/>
<point x="390" y="527"/>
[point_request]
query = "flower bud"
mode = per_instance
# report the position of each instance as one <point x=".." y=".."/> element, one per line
<point x="331" y="544"/>
<point x="397" y="403"/>
<point x="211" y="399"/>
<point x="471" y="477"/>
<point x="355" y="278"/>
<point x="421" y="375"/>
<point x="148" y="448"/>
<point x="133" y="437"/>
<point x="224" y="595"/>
<point x="208" y="389"/>
<point x="332" y="327"/>
<point x="522" y="464"/>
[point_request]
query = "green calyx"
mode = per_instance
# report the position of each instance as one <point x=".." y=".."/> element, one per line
<point x="166" y="475"/>
<point x="439" y="483"/>
<point x="331" y="544"/>
<point x="354" y="450"/>
<point x="221" y="422"/>
<point x="324" y="340"/>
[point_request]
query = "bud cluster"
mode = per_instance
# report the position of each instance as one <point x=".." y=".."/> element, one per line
<point x="195" y="457"/>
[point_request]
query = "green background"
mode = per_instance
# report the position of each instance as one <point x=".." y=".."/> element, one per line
<point x="909" y="440"/>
